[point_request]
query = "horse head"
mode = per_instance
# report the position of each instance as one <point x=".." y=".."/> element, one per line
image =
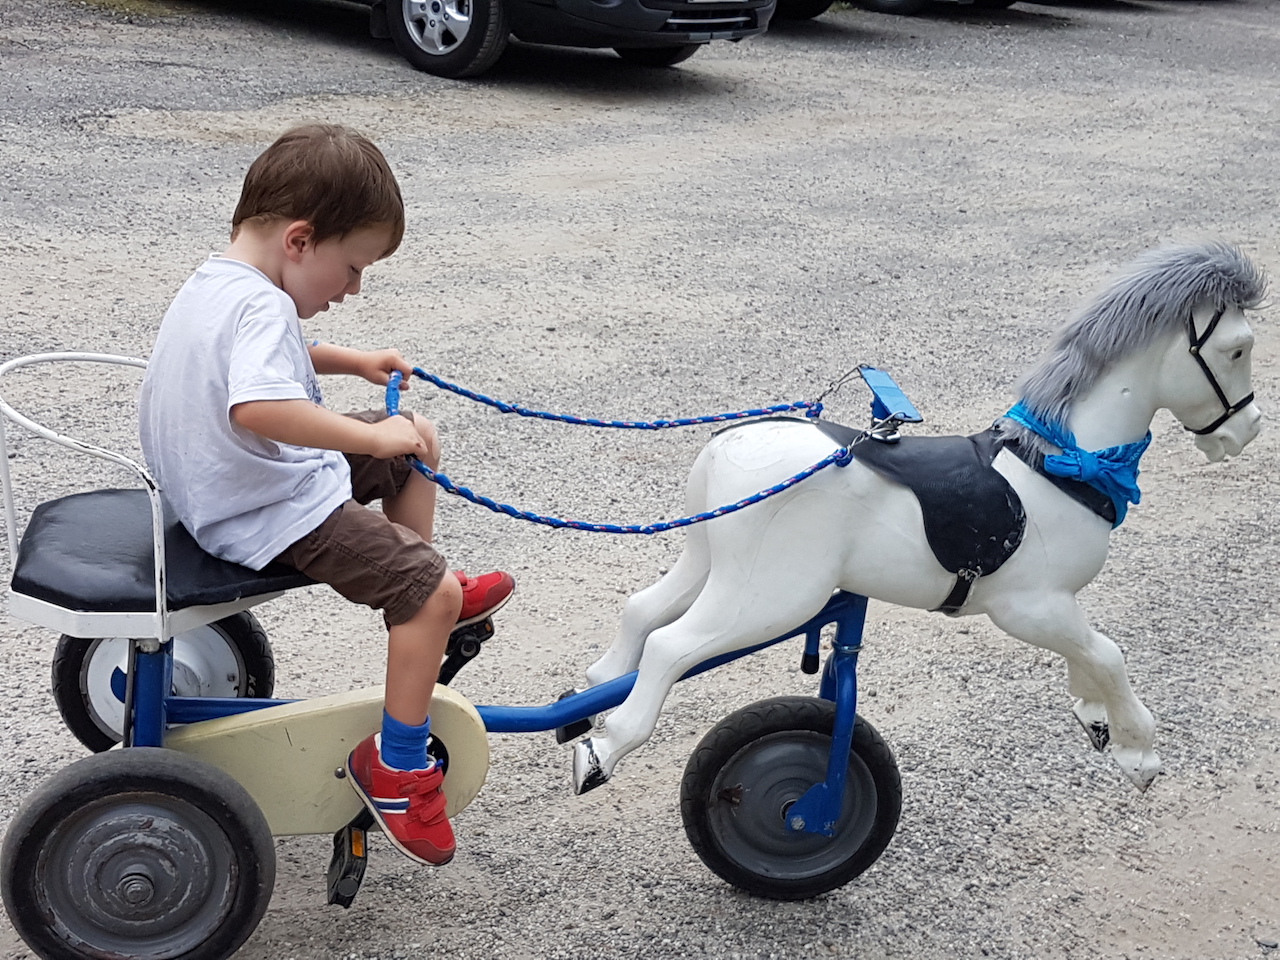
<point x="1174" y="322"/>
<point x="1208" y="380"/>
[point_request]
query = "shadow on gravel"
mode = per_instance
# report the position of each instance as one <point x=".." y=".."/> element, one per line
<point x="832" y="28"/>
<point x="330" y="19"/>
<point x="1016" y="17"/>
<point x="1126" y="6"/>
<point x="601" y="74"/>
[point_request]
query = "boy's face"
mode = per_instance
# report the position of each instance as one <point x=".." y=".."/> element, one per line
<point x="318" y="274"/>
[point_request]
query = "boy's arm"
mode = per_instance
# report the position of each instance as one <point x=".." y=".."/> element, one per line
<point x="375" y="366"/>
<point x="306" y="424"/>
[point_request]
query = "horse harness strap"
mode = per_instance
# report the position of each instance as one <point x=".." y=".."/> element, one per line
<point x="1230" y="409"/>
<point x="973" y="518"/>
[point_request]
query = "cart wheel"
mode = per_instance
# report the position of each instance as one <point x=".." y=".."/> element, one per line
<point x="230" y="657"/>
<point x="748" y="771"/>
<point x="142" y="853"/>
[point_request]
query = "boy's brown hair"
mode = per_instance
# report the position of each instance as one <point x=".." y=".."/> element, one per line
<point x="328" y="175"/>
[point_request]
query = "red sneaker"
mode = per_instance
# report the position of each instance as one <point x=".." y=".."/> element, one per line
<point x="483" y="595"/>
<point x="408" y="804"/>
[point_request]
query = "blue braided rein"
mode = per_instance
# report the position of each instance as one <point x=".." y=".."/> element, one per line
<point x="841" y="457"/>
<point x="812" y="408"/>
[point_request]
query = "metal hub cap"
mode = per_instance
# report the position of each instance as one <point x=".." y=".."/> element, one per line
<point x="205" y="664"/>
<point x="759" y="786"/>
<point x="141" y="875"/>
<point x="437" y="26"/>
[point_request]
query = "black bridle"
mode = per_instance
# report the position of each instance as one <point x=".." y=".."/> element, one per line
<point x="1231" y="409"/>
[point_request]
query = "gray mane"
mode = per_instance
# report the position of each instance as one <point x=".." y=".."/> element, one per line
<point x="1147" y="299"/>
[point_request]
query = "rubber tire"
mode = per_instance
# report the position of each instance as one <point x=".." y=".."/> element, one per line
<point x="994" y="4"/>
<point x="477" y="52"/>
<point x="903" y="8"/>
<point x="242" y="632"/>
<point x="803" y="9"/>
<point x="658" y="56"/>
<point x="159" y="815"/>
<point x="762" y="728"/>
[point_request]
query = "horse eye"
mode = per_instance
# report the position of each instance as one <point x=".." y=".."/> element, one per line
<point x="1237" y="354"/>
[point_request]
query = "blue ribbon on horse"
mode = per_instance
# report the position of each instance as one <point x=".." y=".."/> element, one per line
<point x="1114" y="470"/>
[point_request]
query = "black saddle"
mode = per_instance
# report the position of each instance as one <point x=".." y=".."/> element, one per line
<point x="973" y="519"/>
<point x="92" y="553"/>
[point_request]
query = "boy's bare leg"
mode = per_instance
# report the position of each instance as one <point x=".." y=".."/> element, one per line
<point x="415" y="505"/>
<point x="415" y="650"/>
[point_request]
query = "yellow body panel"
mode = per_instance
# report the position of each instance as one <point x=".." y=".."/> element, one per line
<point x="286" y="756"/>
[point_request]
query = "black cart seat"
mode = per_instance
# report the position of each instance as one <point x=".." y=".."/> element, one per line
<point x="92" y="553"/>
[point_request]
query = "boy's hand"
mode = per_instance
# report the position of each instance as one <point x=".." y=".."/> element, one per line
<point x="396" y="436"/>
<point x="376" y="366"/>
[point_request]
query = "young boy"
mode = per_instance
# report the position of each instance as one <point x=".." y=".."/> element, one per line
<point x="257" y="469"/>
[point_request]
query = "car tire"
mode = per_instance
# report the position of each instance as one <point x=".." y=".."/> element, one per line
<point x="449" y="38"/>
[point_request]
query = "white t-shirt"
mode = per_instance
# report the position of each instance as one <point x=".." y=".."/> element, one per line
<point x="231" y="336"/>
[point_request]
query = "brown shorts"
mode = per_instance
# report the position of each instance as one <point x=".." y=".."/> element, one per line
<point x="363" y="555"/>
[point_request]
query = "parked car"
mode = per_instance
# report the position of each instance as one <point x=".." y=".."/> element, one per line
<point x="463" y="38"/>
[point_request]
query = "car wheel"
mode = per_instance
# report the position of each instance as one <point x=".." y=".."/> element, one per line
<point x="658" y="56"/>
<point x="449" y="38"/>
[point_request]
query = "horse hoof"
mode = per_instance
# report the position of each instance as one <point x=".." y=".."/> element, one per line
<point x="587" y="772"/>
<point x="1093" y="717"/>
<point x="1140" y="766"/>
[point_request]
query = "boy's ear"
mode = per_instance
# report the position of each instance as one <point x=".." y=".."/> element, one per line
<point x="297" y="239"/>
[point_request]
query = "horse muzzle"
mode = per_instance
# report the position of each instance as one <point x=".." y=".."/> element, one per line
<point x="1233" y="435"/>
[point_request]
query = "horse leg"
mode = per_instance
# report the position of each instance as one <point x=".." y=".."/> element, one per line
<point x="1056" y="622"/>
<point x="1089" y="708"/>
<point x="655" y="606"/>
<point x="720" y="621"/>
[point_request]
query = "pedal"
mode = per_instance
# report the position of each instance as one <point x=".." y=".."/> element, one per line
<point x="464" y="646"/>
<point x="572" y="731"/>
<point x="350" y="856"/>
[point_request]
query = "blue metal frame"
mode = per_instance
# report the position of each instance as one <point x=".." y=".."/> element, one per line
<point x="816" y="812"/>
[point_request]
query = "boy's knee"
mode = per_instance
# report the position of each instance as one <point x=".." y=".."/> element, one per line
<point x="431" y="437"/>
<point x="446" y="599"/>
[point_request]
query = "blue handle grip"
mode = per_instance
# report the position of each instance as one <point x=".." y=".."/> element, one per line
<point x="393" y="393"/>
<point x="888" y="401"/>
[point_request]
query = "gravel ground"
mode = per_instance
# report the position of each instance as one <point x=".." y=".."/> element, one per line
<point x="932" y="195"/>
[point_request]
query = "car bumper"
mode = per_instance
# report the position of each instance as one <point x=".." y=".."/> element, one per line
<point x="636" y="23"/>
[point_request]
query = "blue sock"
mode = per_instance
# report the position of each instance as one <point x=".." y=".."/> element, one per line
<point x="404" y="747"/>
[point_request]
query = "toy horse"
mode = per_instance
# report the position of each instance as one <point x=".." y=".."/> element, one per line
<point x="1010" y="523"/>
